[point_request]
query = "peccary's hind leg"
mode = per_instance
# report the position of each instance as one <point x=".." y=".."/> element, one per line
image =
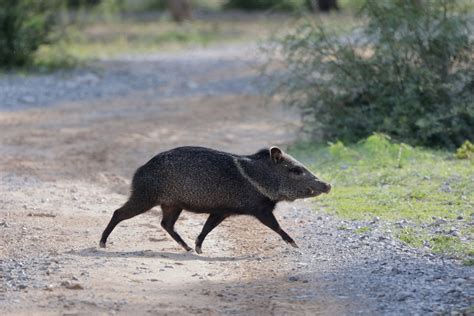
<point x="268" y="219"/>
<point x="170" y="216"/>
<point x="128" y="210"/>
<point x="212" y="221"/>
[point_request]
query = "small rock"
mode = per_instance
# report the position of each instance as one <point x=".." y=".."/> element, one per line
<point x="459" y="281"/>
<point x="438" y="222"/>
<point x="157" y="239"/>
<point x="454" y="232"/>
<point x="402" y="296"/>
<point x="293" y="278"/>
<point x="446" y="188"/>
<point x="456" y="292"/>
<point x="48" y="287"/>
<point x="72" y="286"/>
<point x="375" y="220"/>
<point x="395" y="271"/>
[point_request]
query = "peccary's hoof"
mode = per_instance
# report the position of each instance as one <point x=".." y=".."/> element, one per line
<point x="187" y="248"/>
<point x="293" y="244"/>
<point x="102" y="244"/>
<point x="198" y="250"/>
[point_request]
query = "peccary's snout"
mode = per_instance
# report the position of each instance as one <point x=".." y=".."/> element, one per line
<point x="327" y="187"/>
<point x="319" y="187"/>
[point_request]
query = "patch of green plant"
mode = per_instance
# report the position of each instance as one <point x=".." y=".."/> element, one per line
<point x="408" y="72"/>
<point x="393" y="181"/>
<point x="53" y="57"/>
<point x="466" y="151"/>
<point x="410" y="237"/>
<point x="449" y="245"/>
<point x="438" y="243"/>
<point x="342" y="227"/>
<point x="469" y="262"/>
<point x="362" y="230"/>
<point x="25" y="26"/>
<point x="90" y="37"/>
<point x="107" y="39"/>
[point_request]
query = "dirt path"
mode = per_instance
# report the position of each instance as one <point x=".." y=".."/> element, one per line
<point x="65" y="167"/>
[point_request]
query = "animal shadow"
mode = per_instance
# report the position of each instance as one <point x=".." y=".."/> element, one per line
<point x="183" y="256"/>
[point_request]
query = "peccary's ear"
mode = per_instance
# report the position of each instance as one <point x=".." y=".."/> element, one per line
<point x="276" y="154"/>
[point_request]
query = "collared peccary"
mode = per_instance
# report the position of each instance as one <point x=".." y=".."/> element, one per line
<point x="204" y="180"/>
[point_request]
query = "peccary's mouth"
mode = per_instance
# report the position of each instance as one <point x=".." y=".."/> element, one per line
<point x="310" y="192"/>
<point x="315" y="192"/>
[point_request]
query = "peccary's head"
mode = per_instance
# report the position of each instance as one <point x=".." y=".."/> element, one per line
<point x="295" y="181"/>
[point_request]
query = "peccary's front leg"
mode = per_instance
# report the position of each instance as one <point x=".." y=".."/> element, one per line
<point x="212" y="221"/>
<point x="268" y="219"/>
<point x="170" y="216"/>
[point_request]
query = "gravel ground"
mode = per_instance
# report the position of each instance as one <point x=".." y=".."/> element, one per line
<point x="71" y="141"/>
<point x="373" y="266"/>
<point x="170" y="75"/>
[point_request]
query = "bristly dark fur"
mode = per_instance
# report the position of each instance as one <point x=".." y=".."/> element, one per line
<point x="261" y="154"/>
<point x="204" y="180"/>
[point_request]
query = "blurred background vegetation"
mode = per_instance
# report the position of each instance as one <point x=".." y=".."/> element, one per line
<point x="58" y="33"/>
<point x="402" y="69"/>
<point x="407" y="72"/>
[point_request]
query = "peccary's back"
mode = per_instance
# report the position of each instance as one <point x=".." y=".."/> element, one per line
<point x="195" y="178"/>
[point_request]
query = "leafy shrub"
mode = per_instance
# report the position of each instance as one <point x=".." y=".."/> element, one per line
<point x="285" y="5"/>
<point x="408" y="73"/>
<point x="25" y="25"/>
<point x="466" y="151"/>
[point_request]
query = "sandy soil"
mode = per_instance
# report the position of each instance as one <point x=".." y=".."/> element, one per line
<point x="64" y="171"/>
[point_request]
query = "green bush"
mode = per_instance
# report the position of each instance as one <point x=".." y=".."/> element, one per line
<point x="408" y="73"/>
<point x="283" y="5"/>
<point x="25" y="25"/>
<point x="466" y="151"/>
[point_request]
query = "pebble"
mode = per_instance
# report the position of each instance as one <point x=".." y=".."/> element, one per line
<point x="402" y="296"/>
<point x="72" y="285"/>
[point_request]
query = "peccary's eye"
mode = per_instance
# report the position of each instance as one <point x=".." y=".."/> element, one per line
<point x="296" y="170"/>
